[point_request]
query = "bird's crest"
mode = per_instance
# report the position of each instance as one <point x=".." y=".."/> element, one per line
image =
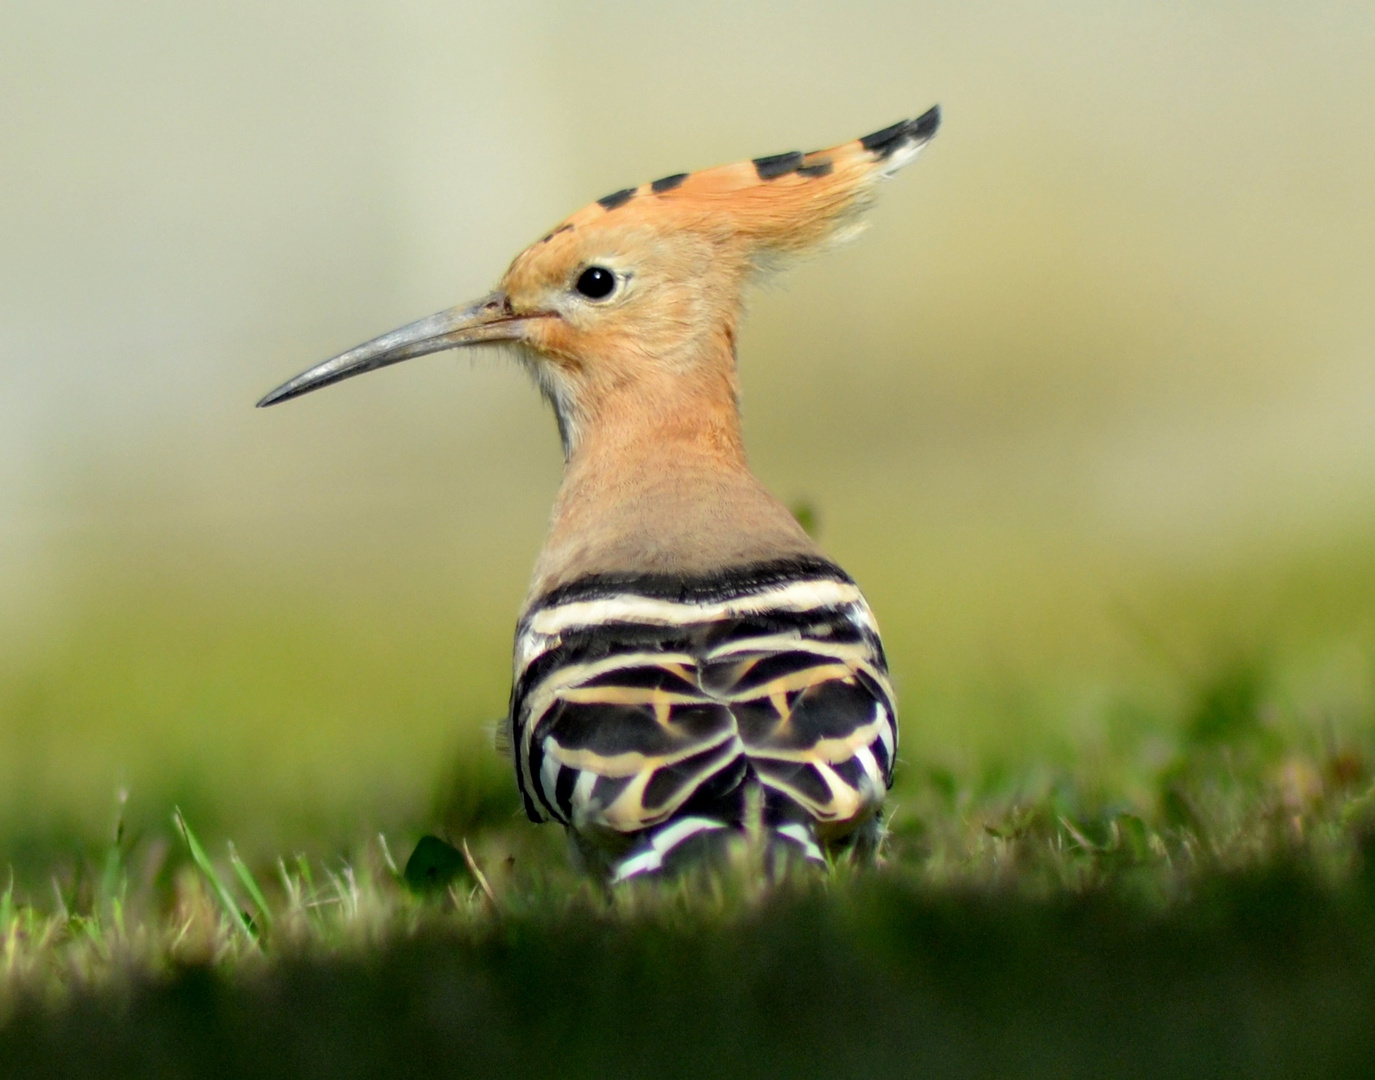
<point x="759" y="209"/>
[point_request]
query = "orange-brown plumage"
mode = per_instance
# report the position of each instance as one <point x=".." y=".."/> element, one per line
<point x="645" y="381"/>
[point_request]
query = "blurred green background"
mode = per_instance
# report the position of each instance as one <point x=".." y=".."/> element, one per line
<point x="1089" y="411"/>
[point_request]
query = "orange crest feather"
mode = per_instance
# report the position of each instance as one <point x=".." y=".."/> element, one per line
<point x="777" y="205"/>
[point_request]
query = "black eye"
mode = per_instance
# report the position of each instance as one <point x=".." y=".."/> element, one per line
<point x="596" y="283"/>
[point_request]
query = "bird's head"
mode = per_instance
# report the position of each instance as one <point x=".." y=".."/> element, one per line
<point x="641" y="289"/>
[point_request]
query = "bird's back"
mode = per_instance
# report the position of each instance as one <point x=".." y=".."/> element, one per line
<point x="648" y="710"/>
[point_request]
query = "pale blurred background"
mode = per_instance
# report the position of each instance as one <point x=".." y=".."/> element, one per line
<point x="1089" y="408"/>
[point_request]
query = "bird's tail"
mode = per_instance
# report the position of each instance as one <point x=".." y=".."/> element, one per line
<point x="761" y="829"/>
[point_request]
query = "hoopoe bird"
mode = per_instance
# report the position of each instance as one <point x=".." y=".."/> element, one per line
<point x="688" y="664"/>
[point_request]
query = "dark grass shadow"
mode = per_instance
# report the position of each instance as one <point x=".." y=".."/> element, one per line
<point x="1266" y="973"/>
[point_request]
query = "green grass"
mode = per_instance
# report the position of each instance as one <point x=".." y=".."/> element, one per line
<point x="1214" y="918"/>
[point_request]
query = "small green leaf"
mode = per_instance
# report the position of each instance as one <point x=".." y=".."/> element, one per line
<point x="804" y="512"/>
<point x="433" y="865"/>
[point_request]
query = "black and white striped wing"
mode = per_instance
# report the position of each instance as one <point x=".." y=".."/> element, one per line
<point x="622" y="741"/>
<point x="637" y="701"/>
<point x="814" y="709"/>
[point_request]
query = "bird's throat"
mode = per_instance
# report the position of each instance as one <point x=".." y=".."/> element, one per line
<point x="662" y="488"/>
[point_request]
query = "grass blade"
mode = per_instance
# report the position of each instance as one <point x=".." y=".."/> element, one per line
<point x="250" y="884"/>
<point x="203" y="863"/>
<point x="9" y="921"/>
<point x="482" y="882"/>
<point x="386" y="856"/>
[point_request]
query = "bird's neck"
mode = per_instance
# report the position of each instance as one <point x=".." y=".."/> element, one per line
<point x="657" y="484"/>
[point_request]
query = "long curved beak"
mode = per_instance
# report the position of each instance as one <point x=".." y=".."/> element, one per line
<point x="489" y="319"/>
